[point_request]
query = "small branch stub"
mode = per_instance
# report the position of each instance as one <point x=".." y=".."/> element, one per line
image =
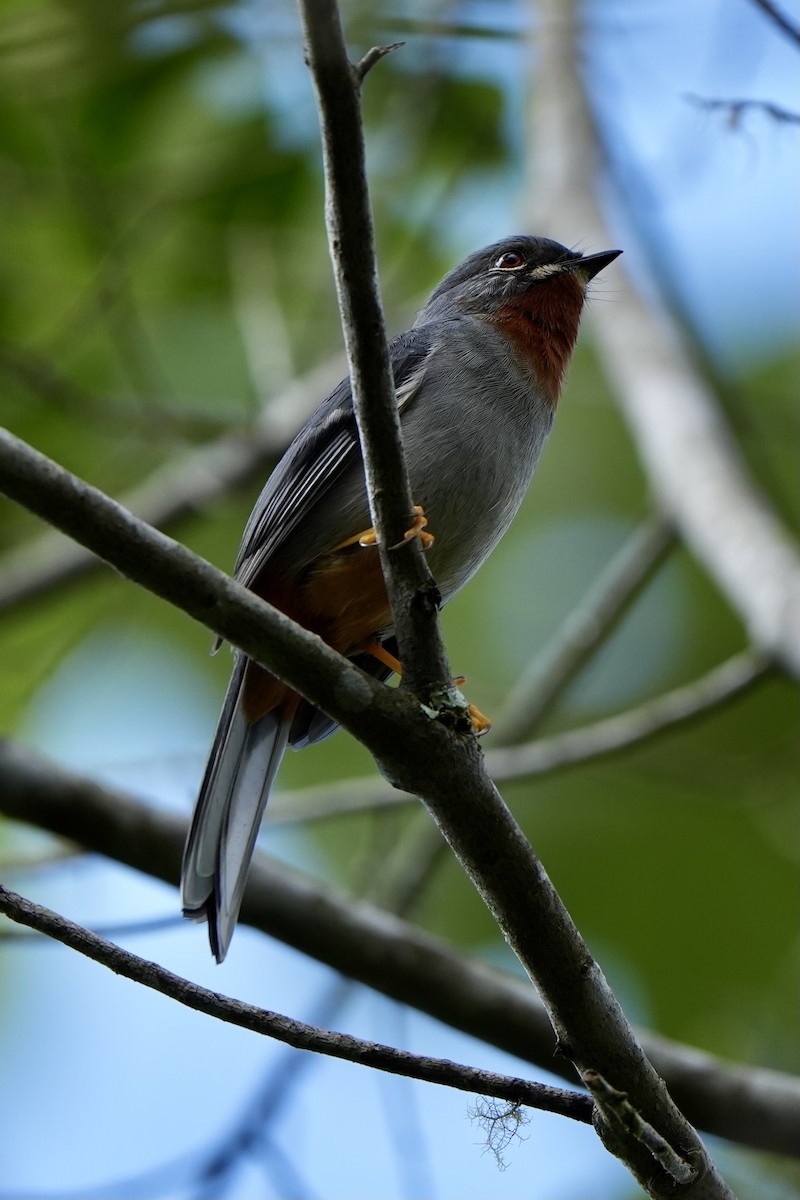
<point x="617" y="1109"/>
<point x="362" y="68"/>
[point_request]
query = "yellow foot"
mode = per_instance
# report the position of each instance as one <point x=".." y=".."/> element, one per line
<point x="480" y="723"/>
<point x="376" y="650"/>
<point x="417" y="530"/>
<point x="368" y="537"/>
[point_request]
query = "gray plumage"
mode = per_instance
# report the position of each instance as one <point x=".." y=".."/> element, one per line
<point x="474" y="417"/>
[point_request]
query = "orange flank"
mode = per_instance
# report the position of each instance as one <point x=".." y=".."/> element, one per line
<point x="341" y="597"/>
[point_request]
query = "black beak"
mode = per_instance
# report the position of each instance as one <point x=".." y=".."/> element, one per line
<point x="592" y="264"/>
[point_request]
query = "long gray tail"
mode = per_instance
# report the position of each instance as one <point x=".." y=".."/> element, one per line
<point x="241" y="768"/>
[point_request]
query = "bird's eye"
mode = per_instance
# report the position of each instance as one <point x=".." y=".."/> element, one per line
<point x="510" y="261"/>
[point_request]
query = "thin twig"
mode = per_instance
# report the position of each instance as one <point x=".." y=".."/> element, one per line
<point x="673" y="708"/>
<point x="285" y="1029"/>
<point x="734" y="109"/>
<point x="778" y="18"/>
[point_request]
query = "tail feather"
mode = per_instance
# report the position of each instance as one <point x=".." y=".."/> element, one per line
<point x="242" y="766"/>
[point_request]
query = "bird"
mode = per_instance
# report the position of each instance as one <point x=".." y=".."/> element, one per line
<point x="477" y="380"/>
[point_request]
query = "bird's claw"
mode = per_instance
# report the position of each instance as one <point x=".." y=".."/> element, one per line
<point x="417" y="530"/>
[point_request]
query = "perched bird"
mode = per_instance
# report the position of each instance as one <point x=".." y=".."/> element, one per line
<point x="477" y="379"/>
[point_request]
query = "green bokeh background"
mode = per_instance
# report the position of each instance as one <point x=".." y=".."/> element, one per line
<point x="161" y="192"/>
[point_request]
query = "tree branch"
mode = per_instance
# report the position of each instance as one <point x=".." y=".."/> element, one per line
<point x="373" y="56"/>
<point x="287" y="1030"/>
<point x="171" y="571"/>
<point x="445" y="770"/>
<point x="687" y="448"/>
<point x="750" y="1105"/>
<point x="412" y="592"/>
<point x="413" y="860"/>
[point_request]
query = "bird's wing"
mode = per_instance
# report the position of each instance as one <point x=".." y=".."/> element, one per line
<point x="323" y="448"/>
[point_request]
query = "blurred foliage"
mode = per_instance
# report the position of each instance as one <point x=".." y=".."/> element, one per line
<point x="161" y="197"/>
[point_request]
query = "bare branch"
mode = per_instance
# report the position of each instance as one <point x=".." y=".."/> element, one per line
<point x="286" y="1029"/>
<point x="754" y="1106"/>
<point x="412" y="592"/>
<point x="171" y="571"/>
<point x="688" y="450"/>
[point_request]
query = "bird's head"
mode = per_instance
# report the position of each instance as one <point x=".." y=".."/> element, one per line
<point x="532" y="289"/>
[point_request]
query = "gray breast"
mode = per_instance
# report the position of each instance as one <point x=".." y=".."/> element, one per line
<point x="473" y="435"/>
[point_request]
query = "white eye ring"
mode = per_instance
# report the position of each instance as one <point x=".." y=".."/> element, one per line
<point x="511" y="260"/>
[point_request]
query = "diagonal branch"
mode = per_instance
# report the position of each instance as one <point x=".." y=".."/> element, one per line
<point x="287" y="1030"/>
<point x="684" y="440"/>
<point x="780" y="19"/>
<point x="750" y="1105"/>
<point x="445" y="770"/>
<point x="168" y="569"/>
